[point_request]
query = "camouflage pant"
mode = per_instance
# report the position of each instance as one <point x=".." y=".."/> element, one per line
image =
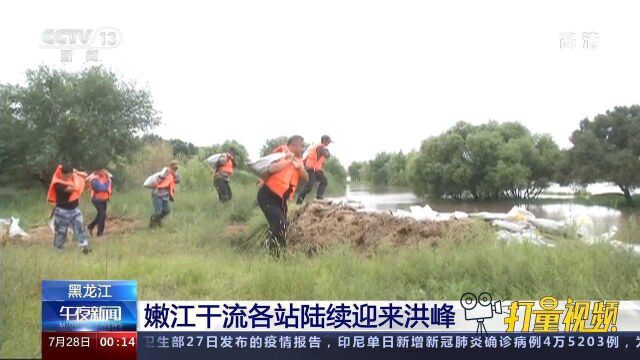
<point x="65" y="218"/>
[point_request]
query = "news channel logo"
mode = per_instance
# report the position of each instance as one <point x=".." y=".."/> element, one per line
<point x="480" y="308"/>
<point x="90" y="40"/>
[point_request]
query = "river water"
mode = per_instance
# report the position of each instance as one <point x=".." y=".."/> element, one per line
<point x="556" y="206"/>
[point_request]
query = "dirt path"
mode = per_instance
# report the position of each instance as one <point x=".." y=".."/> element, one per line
<point x="44" y="233"/>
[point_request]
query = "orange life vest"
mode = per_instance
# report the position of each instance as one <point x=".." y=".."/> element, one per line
<point x="170" y="182"/>
<point x="227" y="167"/>
<point x="76" y="180"/>
<point x="285" y="179"/>
<point x="312" y="161"/>
<point x="100" y="195"/>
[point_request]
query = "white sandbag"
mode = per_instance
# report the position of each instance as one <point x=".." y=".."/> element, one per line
<point x="440" y="217"/>
<point x="11" y="227"/>
<point x="485" y="215"/>
<point x="509" y="225"/>
<point x="370" y="211"/>
<point x="421" y="213"/>
<point x="355" y="205"/>
<point x="214" y="160"/>
<point x="520" y="214"/>
<point x="154" y="179"/>
<point x="523" y="237"/>
<point x="260" y="167"/>
<point x="634" y="248"/>
<point x="550" y="226"/>
<point x="460" y="215"/>
<point x="607" y="237"/>
<point x="584" y="226"/>
<point x="402" y="213"/>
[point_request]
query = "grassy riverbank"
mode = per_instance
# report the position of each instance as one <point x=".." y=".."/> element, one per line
<point x="202" y="252"/>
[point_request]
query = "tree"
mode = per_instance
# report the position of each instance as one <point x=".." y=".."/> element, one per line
<point x="355" y="171"/>
<point x="183" y="148"/>
<point x="334" y="168"/>
<point x="607" y="148"/>
<point x="89" y="119"/>
<point x="488" y="161"/>
<point x="378" y="171"/>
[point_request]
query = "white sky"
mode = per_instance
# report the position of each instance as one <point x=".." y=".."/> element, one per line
<point x="375" y="75"/>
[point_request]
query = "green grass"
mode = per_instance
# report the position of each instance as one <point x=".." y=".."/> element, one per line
<point x="195" y="256"/>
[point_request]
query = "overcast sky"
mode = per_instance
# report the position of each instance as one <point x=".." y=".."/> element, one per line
<point x="375" y="75"/>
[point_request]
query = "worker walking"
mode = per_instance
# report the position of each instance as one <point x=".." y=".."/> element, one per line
<point x="222" y="175"/>
<point x="100" y="186"/>
<point x="314" y="160"/>
<point x="163" y="192"/>
<point x="279" y="186"/>
<point x="65" y="189"/>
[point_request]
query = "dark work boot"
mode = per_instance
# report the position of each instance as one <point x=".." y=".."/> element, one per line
<point x="153" y="222"/>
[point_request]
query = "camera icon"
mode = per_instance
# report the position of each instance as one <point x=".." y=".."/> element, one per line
<point x="480" y="308"/>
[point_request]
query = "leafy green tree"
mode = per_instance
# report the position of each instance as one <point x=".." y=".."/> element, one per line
<point x="378" y="171"/>
<point x="334" y="168"/>
<point x="607" y="148"/>
<point x="183" y="148"/>
<point x="355" y="171"/>
<point x="488" y="161"/>
<point x="89" y="119"/>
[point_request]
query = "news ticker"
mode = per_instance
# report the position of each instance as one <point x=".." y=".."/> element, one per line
<point x="103" y="319"/>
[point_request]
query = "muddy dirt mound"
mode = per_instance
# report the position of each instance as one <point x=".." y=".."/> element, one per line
<point x="317" y="225"/>
<point x="44" y="234"/>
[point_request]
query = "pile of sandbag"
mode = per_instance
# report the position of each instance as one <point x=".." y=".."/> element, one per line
<point x="520" y="225"/>
<point x="426" y="213"/>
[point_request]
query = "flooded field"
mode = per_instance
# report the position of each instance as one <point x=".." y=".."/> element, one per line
<point x="556" y="205"/>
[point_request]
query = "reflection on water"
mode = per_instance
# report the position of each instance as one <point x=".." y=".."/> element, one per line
<point x="398" y="198"/>
<point x="381" y="198"/>
<point x="593" y="189"/>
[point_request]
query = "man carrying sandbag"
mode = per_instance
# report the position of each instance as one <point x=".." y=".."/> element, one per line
<point x="314" y="160"/>
<point x="222" y="174"/>
<point x="65" y="189"/>
<point x="279" y="186"/>
<point x="163" y="192"/>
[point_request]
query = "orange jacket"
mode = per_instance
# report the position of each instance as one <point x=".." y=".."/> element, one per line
<point x="76" y="180"/>
<point x="100" y="195"/>
<point x="170" y="182"/>
<point x="312" y="161"/>
<point x="285" y="179"/>
<point x="227" y="167"/>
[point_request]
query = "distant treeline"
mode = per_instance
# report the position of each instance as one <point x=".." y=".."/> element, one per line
<point x="505" y="160"/>
<point x="93" y="119"/>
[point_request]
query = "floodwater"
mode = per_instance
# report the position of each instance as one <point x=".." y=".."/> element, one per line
<point x="554" y="206"/>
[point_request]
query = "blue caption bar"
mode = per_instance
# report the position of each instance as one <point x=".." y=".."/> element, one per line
<point x="89" y="290"/>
